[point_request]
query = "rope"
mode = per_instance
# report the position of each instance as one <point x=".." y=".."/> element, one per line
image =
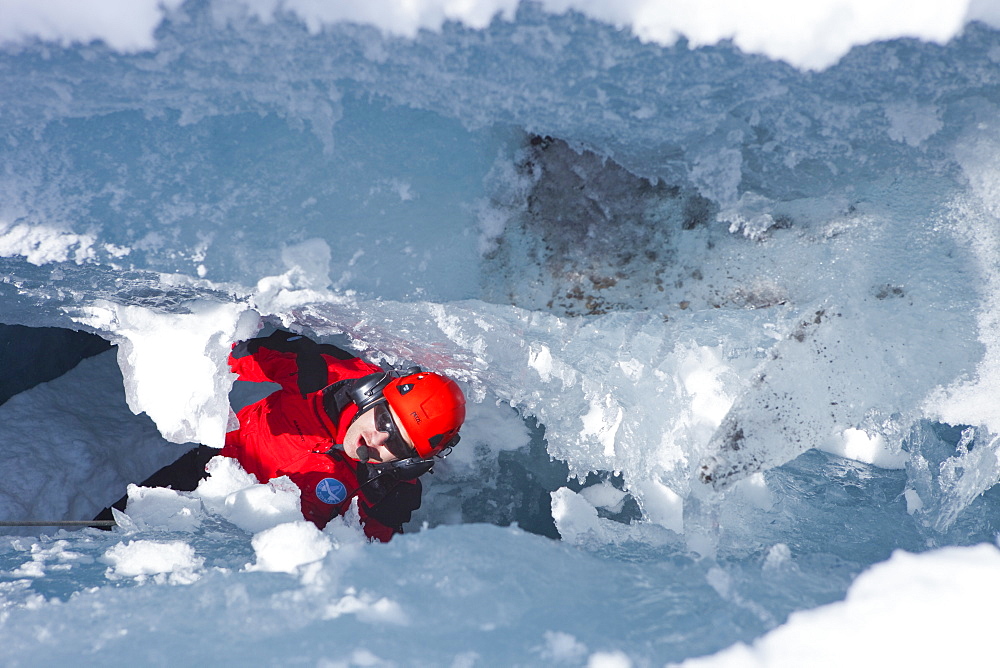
<point x="59" y="523"/>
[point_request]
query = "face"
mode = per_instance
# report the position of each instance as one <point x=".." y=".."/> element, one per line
<point x="364" y="442"/>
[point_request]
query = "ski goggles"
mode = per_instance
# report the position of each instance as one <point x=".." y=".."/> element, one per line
<point x="395" y="443"/>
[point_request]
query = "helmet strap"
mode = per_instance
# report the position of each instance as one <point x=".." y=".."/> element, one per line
<point x="336" y="398"/>
<point x="368" y="390"/>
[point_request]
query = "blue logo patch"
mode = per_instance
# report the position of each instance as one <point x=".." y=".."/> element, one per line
<point x="331" y="491"/>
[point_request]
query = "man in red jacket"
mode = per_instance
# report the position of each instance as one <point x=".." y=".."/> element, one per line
<point x="341" y="428"/>
<point x="338" y="427"/>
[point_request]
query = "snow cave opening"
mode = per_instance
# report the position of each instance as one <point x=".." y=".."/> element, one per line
<point x="504" y="487"/>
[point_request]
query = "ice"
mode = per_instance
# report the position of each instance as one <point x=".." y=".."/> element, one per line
<point x="856" y="444"/>
<point x="965" y="400"/>
<point x="34" y="355"/>
<point x="287" y="546"/>
<point x="161" y="507"/>
<point x="171" y="562"/>
<point x="260" y="507"/>
<point x="72" y="445"/>
<point x="718" y="280"/>
<point x="186" y="398"/>
<point x="943" y="483"/>
<point x="229" y="491"/>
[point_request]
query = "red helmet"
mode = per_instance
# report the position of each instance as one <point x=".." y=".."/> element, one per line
<point x="430" y="407"/>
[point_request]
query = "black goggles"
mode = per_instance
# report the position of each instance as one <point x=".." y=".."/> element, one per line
<point x="395" y="443"/>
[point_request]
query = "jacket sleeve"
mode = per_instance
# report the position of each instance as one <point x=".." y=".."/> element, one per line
<point x="375" y="530"/>
<point x="295" y="362"/>
<point x="266" y="366"/>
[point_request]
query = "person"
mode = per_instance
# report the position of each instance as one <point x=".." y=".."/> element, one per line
<point x="339" y="427"/>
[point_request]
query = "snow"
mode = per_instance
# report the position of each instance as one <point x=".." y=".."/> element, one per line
<point x="158" y="506"/>
<point x="125" y="25"/>
<point x="813" y="35"/>
<point x="895" y="613"/>
<point x="287" y="546"/>
<point x="172" y="562"/>
<point x="719" y="280"/>
<point x="40" y="245"/>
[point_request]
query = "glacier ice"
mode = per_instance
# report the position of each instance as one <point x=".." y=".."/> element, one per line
<point x="722" y="289"/>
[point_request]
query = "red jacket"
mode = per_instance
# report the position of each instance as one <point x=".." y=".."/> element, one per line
<point x="288" y="433"/>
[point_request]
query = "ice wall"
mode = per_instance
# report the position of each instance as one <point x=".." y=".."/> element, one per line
<point x="690" y="261"/>
<point x="30" y="356"/>
<point x="71" y="445"/>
